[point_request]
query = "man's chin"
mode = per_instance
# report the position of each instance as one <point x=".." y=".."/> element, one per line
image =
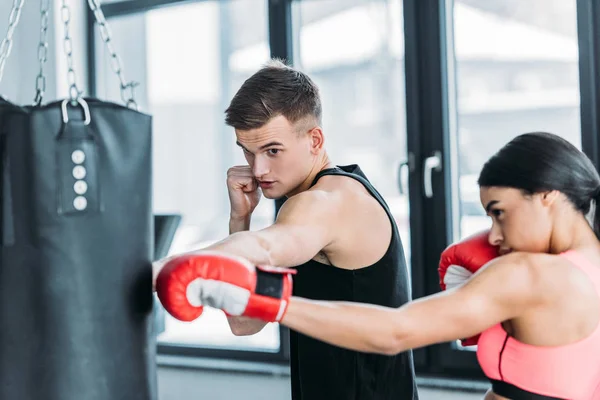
<point x="271" y="194"/>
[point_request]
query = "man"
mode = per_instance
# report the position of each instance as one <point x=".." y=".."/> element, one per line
<point x="334" y="228"/>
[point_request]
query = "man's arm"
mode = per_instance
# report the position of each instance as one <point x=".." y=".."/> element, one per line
<point x="239" y="224"/>
<point x="242" y="326"/>
<point x="303" y="228"/>
<point x="505" y="289"/>
<point x="305" y="225"/>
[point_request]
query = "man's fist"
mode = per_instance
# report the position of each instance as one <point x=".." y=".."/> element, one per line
<point x="461" y="260"/>
<point x="244" y="193"/>
<point x="187" y="283"/>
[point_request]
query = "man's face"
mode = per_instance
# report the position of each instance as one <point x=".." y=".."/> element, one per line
<point x="280" y="154"/>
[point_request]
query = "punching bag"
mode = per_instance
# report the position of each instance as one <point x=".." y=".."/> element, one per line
<point x="75" y="278"/>
<point x="77" y="246"/>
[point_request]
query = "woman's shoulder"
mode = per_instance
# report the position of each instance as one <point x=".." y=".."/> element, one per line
<point x="524" y="263"/>
<point x="532" y="274"/>
<point x="530" y="263"/>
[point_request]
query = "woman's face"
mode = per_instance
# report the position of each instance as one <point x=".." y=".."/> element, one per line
<point x="520" y="222"/>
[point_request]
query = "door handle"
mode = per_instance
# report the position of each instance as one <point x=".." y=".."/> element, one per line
<point x="401" y="178"/>
<point x="432" y="163"/>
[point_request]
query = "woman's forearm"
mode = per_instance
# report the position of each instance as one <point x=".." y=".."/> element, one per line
<point x="361" y="327"/>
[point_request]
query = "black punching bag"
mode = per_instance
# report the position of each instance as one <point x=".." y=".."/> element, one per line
<point x="75" y="278"/>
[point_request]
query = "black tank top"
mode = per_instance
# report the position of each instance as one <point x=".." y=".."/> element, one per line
<point x="320" y="371"/>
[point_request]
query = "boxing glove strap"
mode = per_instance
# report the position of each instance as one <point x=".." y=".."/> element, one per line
<point x="271" y="294"/>
<point x="269" y="284"/>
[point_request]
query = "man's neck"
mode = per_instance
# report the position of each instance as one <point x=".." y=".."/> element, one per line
<point x="323" y="164"/>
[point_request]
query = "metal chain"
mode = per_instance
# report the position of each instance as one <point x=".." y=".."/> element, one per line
<point x="127" y="88"/>
<point x="74" y="92"/>
<point x="40" y="82"/>
<point x="6" y="45"/>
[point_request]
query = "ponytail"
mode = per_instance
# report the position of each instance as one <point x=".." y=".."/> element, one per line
<point x="596" y="220"/>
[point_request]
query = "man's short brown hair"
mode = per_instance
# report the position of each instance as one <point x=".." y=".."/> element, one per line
<point x="276" y="89"/>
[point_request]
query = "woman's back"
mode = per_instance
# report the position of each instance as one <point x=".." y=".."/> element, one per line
<point x="552" y="348"/>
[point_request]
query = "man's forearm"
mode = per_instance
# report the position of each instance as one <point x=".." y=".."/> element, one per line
<point x="242" y="326"/>
<point x="248" y="245"/>
<point x="239" y="224"/>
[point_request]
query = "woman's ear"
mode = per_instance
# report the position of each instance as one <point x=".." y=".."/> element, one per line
<point x="549" y="197"/>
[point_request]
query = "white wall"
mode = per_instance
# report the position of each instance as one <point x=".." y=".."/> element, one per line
<point x="190" y="384"/>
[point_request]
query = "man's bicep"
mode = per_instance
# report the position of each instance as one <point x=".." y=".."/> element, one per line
<point x="305" y="226"/>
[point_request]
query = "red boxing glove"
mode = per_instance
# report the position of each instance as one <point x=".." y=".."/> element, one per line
<point x="461" y="260"/>
<point x="187" y="283"/>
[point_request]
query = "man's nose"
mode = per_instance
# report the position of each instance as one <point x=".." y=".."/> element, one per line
<point x="260" y="167"/>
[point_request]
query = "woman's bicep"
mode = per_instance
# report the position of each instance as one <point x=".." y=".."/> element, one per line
<point x="499" y="292"/>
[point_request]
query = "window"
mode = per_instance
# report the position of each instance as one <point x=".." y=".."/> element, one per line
<point x="189" y="60"/>
<point x="354" y="51"/>
<point x="517" y="71"/>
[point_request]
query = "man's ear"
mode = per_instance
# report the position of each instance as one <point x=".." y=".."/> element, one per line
<point x="317" y="139"/>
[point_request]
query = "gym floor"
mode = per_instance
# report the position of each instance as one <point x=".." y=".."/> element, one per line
<point x="176" y="383"/>
<point x="431" y="394"/>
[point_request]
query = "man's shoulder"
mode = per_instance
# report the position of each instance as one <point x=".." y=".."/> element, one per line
<point x="331" y="193"/>
<point x="352" y="171"/>
<point x="340" y="184"/>
<point x="314" y="201"/>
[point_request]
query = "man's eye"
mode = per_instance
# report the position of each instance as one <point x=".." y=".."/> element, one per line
<point x="273" y="151"/>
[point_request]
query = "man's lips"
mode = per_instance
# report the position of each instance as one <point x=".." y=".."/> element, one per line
<point x="265" y="184"/>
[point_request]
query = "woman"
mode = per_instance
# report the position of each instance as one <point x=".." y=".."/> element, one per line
<point x="537" y="306"/>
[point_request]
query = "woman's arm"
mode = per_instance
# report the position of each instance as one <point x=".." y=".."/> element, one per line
<point x="504" y="289"/>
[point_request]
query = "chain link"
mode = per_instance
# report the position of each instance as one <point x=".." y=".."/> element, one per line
<point x="40" y="82"/>
<point x="74" y="92"/>
<point x="127" y="88"/>
<point x="6" y="45"/>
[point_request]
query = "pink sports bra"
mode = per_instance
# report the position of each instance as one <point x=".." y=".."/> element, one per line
<point x="521" y="371"/>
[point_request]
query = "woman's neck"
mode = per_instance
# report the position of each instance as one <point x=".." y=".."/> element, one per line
<point x="572" y="233"/>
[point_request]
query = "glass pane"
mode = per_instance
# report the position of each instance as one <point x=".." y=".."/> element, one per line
<point x="516" y="72"/>
<point x="190" y="60"/>
<point x="354" y="51"/>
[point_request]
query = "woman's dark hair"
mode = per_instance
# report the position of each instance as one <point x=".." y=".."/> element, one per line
<point x="540" y="161"/>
